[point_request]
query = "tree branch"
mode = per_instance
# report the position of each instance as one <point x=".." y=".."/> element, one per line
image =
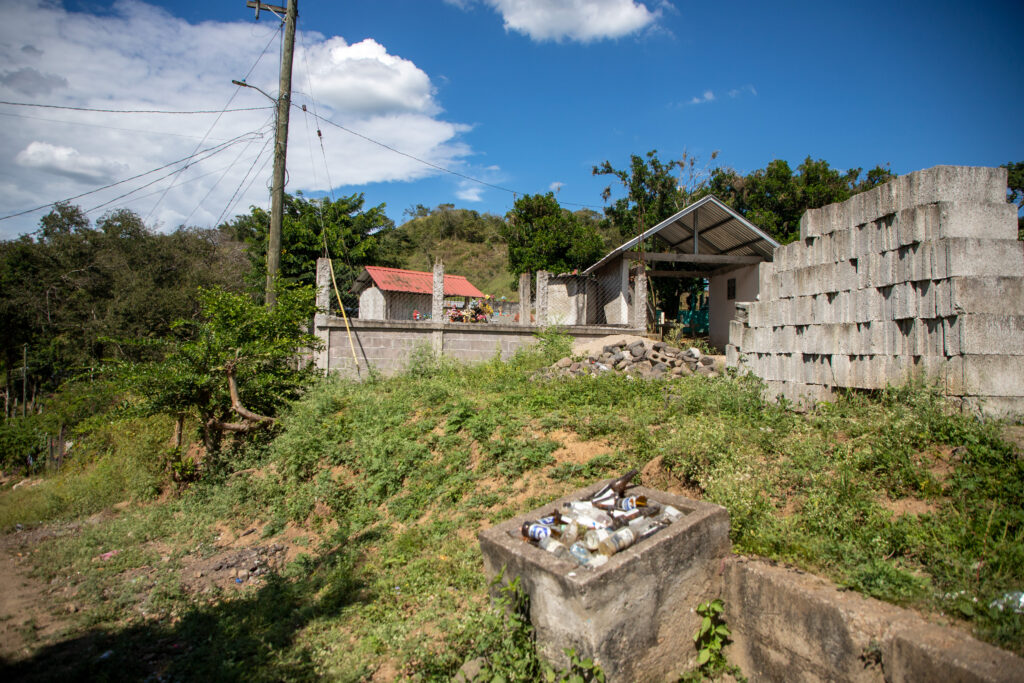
<point x="236" y="402"/>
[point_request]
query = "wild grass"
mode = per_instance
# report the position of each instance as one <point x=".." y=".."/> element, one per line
<point x="895" y="496"/>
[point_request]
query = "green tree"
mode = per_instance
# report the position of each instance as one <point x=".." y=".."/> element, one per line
<point x="354" y="236"/>
<point x="1015" y="191"/>
<point x="71" y="288"/>
<point x="775" y="198"/>
<point x="652" y="194"/>
<point x="541" y="235"/>
<point x="233" y="367"/>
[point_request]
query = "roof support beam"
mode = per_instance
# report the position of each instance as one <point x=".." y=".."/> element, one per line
<point x="713" y="226"/>
<point x="679" y="273"/>
<point x="694" y="258"/>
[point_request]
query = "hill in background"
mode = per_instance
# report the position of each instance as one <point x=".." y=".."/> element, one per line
<point x="469" y="243"/>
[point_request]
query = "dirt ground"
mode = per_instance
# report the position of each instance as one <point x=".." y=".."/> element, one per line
<point x="30" y="611"/>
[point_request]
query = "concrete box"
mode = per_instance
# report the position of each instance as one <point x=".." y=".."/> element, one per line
<point x="635" y="615"/>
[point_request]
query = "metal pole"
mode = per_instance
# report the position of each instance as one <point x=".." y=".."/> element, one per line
<point x="284" y="99"/>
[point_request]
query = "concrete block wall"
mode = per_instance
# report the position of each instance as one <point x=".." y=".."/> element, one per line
<point x="388" y="345"/>
<point x="921" y="276"/>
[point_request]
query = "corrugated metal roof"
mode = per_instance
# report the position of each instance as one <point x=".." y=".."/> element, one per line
<point x="414" y="281"/>
<point x="720" y="230"/>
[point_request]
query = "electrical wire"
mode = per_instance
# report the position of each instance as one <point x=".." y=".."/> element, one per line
<point x="436" y="166"/>
<point x="98" y="125"/>
<point x="234" y="194"/>
<point x="156" y="192"/>
<point x="213" y="125"/>
<point x="134" y="177"/>
<point x="154" y="182"/>
<point x="132" y="111"/>
<point x="226" y="171"/>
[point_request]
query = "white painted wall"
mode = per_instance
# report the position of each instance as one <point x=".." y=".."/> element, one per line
<point x="371" y="304"/>
<point x="722" y="309"/>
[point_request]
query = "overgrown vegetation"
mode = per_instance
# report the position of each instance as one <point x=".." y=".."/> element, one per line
<point x="383" y="486"/>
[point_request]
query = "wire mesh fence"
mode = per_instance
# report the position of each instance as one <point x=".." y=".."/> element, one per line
<point x="587" y="300"/>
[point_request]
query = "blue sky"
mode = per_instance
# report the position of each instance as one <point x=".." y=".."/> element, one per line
<point x="494" y="90"/>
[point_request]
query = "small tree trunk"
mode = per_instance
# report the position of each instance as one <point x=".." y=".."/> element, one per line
<point x="179" y="424"/>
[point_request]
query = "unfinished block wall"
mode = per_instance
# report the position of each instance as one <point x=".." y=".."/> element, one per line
<point x="921" y="276"/>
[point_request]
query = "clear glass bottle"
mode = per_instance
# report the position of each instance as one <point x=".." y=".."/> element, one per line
<point x="556" y="548"/>
<point x="617" y="542"/>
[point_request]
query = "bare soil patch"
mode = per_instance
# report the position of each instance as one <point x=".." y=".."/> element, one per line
<point x="30" y="610"/>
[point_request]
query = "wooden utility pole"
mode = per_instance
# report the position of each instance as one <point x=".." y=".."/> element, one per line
<point x="284" y="103"/>
<point x="24" y="376"/>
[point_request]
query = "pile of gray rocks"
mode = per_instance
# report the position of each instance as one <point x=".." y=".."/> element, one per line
<point x="642" y="358"/>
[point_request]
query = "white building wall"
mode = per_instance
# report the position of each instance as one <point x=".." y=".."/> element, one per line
<point x="723" y="310"/>
<point x="371" y="304"/>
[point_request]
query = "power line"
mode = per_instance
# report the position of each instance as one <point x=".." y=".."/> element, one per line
<point x="215" y="122"/>
<point x="227" y="207"/>
<point x="433" y="165"/>
<point x="134" y="177"/>
<point x="224" y="175"/>
<point x="131" y="111"/>
<point x="154" y="182"/>
<point x="99" y="125"/>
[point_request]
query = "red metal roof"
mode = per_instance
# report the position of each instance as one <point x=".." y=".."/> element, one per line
<point x="399" y="280"/>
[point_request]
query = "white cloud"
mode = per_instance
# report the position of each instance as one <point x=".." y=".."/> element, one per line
<point x="28" y="81"/>
<point x="137" y="56"/>
<point x="363" y="79"/>
<point x="68" y="162"/>
<point x="469" y="191"/>
<point x="580" y="20"/>
<point x="556" y="186"/>
<point x="744" y="90"/>
<point x="707" y="96"/>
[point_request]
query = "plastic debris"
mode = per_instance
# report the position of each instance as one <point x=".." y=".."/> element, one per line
<point x="1013" y="601"/>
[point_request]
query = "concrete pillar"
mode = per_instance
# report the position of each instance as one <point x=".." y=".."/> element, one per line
<point x="321" y="357"/>
<point x="640" y="300"/>
<point x="437" y="302"/>
<point x="542" y="297"/>
<point x="323" y="284"/>
<point x="524" y="299"/>
<point x="623" y="292"/>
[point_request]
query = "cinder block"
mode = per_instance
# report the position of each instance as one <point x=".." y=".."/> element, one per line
<point x="925" y="290"/>
<point x="993" y="375"/>
<point x="995" y="295"/>
<point x="983" y="258"/>
<point x="904" y="301"/>
<point x="888" y="232"/>
<point x="985" y="334"/>
<point x="765" y="277"/>
<point x="732" y="356"/>
<point x="736" y="329"/>
<point x="810" y="223"/>
<point x="912" y="224"/>
<point x="976" y="220"/>
<point x="864" y="239"/>
<point x="805" y="310"/>
<point x="839" y="242"/>
<point x="951" y="184"/>
<point x="998" y="407"/>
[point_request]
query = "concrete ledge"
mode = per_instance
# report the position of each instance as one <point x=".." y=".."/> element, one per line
<point x="792" y="626"/>
<point x="635" y="614"/>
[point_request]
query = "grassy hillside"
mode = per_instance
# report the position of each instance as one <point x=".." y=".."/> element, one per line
<point x="485" y="264"/>
<point x="366" y="503"/>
